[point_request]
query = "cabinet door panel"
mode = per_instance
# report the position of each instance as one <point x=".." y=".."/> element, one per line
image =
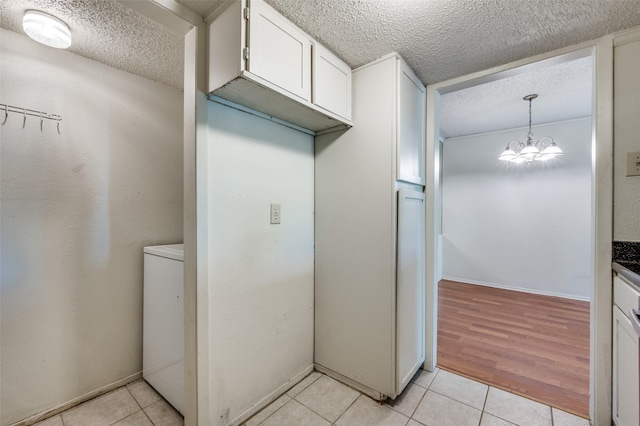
<point x="626" y="384"/>
<point x="410" y="319"/>
<point x="278" y="51"/>
<point x="331" y="82"/>
<point x="411" y="126"/>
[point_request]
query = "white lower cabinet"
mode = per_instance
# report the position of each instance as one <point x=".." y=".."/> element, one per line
<point x="626" y="370"/>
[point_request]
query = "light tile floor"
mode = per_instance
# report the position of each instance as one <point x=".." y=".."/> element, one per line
<point x="136" y="404"/>
<point x="438" y="398"/>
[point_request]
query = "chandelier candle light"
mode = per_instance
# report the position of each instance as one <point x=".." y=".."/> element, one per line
<point x="529" y="151"/>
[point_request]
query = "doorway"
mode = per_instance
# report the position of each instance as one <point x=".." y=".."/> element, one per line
<point x="600" y="54"/>
<point x="516" y="237"/>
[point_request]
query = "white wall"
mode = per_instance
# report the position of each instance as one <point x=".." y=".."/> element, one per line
<point x="76" y="210"/>
<point x="626" y="194"/>
<point x="522" y="227"/>
<point x="261" y="275"/>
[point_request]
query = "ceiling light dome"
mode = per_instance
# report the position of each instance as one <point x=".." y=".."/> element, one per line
<point x="46" y="29"/>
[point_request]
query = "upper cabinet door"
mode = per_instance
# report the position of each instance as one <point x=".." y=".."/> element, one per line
<point x="278" y="51"/>
<point x="412" y="103"/>
<point x="331" y="82"/>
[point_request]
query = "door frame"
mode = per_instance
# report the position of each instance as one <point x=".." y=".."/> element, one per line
<point x="601" y="51"/>
<point x="191" y="26"/>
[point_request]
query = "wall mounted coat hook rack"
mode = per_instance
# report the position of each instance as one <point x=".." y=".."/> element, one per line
<point x="25" y="112"/>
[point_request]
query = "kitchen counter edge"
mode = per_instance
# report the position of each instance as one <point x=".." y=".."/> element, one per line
<point x="627" y="273"/>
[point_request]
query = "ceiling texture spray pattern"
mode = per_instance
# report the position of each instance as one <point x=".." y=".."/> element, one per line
<point x="565" y="92"/>
<point x="440" y="39"/>
<point x="108" y="32"/>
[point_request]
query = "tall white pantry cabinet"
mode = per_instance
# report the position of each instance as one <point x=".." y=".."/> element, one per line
<point x="370" y="227"/>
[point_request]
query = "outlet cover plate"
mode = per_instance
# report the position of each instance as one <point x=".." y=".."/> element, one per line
<point x="275" y="214"/>
<point x="633" y="163"/>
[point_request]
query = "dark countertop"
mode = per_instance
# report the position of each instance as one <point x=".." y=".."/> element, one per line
<point x="629" y="270"/>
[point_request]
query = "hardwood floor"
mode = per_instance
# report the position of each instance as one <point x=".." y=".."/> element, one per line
<point x="532" y="345"/>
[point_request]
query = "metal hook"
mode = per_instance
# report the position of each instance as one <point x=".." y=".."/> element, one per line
<point x="59" y="118"/>
<point x="41" y="120"/>
<point x="6" y="115"/>
<point x="24" y="117"/>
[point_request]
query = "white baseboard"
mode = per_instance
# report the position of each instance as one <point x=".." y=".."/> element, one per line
<point x="77" y="401"/>
<point x="277" y="393"/>
<point x="520" y="289"/>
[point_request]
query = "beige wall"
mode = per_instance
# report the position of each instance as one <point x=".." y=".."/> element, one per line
<point x="553" y="199"/>
<point x="261" y="275"/>
<point x="76" y="210"/>
<point x="626" y="190"/>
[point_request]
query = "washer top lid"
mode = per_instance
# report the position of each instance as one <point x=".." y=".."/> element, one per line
<point x="172" y="251"/>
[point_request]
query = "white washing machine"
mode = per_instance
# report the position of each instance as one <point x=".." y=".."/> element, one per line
<point x="163" y="322"/>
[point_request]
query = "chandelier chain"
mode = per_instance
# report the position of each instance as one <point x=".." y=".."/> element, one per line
<point x="530" y="134"/>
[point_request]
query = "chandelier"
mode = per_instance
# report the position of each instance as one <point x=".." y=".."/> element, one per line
<point x="529" y="152"/>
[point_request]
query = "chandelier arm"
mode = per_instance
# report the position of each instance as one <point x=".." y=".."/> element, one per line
<point x="519" y="147"/>
<point x="545" y="137"/>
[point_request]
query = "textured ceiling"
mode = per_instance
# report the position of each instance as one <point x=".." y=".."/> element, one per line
<point x="443" y="39"/>
<point x="108" y="32"/>
<point x="440" y="39"/>
<point x="564" y="93"/>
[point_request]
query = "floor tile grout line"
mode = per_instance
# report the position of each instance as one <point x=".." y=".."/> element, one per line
<point x="305" y="388"/>
<point x="421" y="399"/>
<point x="484" y="404"/>
<point x="137" y="402"/>
<point x="133" y="396"/>
<point x="347" y="409"/>
<point x="425" y="392"/>
<point x="147" y="416"/>
<point x="314" y="412"/>
<point x="509" y="421"/>
<point x="279" y="408"/>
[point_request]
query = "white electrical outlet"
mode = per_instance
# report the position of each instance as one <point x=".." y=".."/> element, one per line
<point x="633" y="163"/>
<point x="275" y="214"/>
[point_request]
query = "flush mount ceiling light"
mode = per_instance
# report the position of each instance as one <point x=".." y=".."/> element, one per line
<point x="529" y="151"/>
<point x="46" y="29"/>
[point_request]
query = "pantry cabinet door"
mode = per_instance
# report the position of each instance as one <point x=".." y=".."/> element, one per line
<point x="278" y="51"/>
<point x="412" y="104"/>
<point x="410" y="287"/>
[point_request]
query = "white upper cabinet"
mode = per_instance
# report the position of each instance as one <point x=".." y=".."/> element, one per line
<point x="331" y="82"/>
<point x="259" y="59"/>
<point x="411" y="128"/>
<point x="278" y="51"/>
